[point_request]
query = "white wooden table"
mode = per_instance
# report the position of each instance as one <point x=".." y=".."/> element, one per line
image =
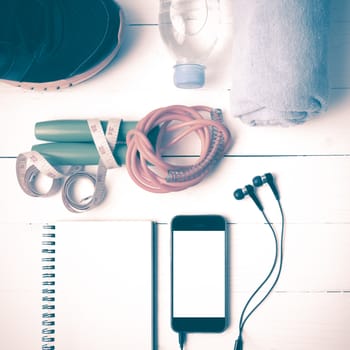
<point x="310" y="307"/>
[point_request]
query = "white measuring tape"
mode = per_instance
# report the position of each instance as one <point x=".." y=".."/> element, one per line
<point x="30" y="164"/>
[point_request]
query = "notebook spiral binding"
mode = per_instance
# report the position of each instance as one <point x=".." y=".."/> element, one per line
<point x="48" y="283"/>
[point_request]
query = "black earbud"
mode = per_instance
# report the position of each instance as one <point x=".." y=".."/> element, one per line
<point x="249" y="190"/>
<point x="258" y="181"/>
<point x="267" y="178"/>
<point x="239" y="194"/>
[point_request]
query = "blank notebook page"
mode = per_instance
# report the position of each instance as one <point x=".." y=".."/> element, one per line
<point x="104" y="285"/>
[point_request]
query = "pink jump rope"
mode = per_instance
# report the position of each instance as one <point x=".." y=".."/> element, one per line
<point x="144" y="159"/>
<point x="175" y="123"/>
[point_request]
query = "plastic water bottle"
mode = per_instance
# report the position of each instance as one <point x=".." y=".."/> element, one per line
<point x="190" y="29"/>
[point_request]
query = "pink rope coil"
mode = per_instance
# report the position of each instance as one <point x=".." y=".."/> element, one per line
<point x="145" y="163"/>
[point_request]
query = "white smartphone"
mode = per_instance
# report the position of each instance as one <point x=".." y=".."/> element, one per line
<point x="199" y="273"/>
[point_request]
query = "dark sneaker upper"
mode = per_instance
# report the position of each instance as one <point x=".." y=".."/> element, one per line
<point x="45" y="41"/>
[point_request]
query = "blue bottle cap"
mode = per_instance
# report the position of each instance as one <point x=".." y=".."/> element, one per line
<point x="189" y="76"/>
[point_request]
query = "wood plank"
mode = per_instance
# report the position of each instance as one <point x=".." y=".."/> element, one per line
<point x="315" y="258"/>
<point x="310" y="307"/>
<point x="289" y="319"/>
<point x="340" y="10"/>
<point x="144" y="60"/>
<point x="339" y="54"/>
<point x="303" y="321"/>
<point x="130" y="88"/>
<point x="146" y="12"/>
<point x="312" y="191"/>
<point x="325" y="135"/>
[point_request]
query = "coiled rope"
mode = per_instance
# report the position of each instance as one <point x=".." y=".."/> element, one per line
<point x="175" y="122"/>
<point x="145" y="163"/>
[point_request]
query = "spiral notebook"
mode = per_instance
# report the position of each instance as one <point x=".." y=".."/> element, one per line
<point x="86" y="285"/>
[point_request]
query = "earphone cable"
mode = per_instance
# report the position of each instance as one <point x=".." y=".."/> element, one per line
<point x="243" y="319"/>
<point x="182" y="340"/>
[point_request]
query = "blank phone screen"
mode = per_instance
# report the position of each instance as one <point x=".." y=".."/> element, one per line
<point x="199" y="274"/>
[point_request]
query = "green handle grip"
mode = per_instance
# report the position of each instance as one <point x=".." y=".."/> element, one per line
<point x="74" y="153"/>
<point x="75" y="130"/>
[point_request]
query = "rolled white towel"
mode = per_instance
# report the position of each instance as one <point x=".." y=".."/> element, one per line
<point x="279" y="60"/>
